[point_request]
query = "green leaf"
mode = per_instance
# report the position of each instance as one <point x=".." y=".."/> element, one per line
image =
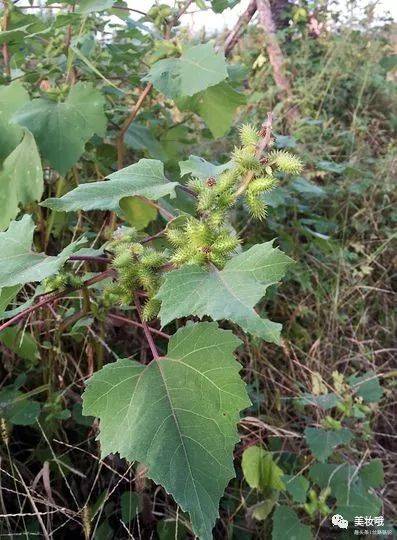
<point x="286" y="524"/>
<point x="21" y="180"/>
<point x="296" y="486"/>
<point x="359" y="502"/>
<point x="62" y="129"/>
<point x="130" y="506"/>
<point x="367" y="386"/>
<point x="137" y="212"/>
<point x="389" y="63"/>
<point x="198" y="68"/>
<point x="7" y="295"/>
<point x="260" y="471"/>
<point x="216" y="106"/>
<point x="15" y="34"/>
<point x="230" y="293"/>
<point x="349" y="485"/>
<point x="12" y="98"/>
<point x="337" y="477"/>
<point x="139" y="137"/>
<point x="145" y="178"/>
<point x="200" y="168"/>
<point x="167" y="530"/>
<point x="22" y="344"/>
<point x="325" y="401"/>
<point x="177" y="415"/>
<point x="220" y="5"/>
<point x="91" y="6"/>
<point x="331" y="166"/>
<point x="17" y="408"/>
<point x="322" y="442"/>
<point x="18" y="263"/>
<point x="372" y="474"/>
<point x="261" y="510"/>
<point x="308" y="189"/>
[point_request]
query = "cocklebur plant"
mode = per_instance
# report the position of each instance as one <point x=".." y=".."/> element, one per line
<point x="177" y="414"/>
<point x="208" y="238"/>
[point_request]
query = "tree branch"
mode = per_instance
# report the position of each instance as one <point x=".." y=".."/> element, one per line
<point x="235" y="34"/>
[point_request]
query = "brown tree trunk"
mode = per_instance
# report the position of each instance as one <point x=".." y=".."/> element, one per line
<point x="276" y="56"/>
<point x="279" y="9"/>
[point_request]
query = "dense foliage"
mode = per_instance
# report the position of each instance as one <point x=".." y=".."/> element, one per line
<point x="151" y="357"/>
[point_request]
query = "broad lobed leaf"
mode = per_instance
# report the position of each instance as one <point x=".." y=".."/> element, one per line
<point x="12" y="97"/>
<point x="198" y="68"/>
<point x="62" y="129"/>
<point x="286" y="525"/>
<point x="230" y="293"/>
<point x="260" y="470"/>
<point x="177" y="415"/>
<point x="200" y="168"/>
<point x="350" y="486"/>
<point x="216" y="105"/>
<point x="18" y="263"/>
<point x="145" y="178"/>
<point x="21" y="179"/>
<point x="322" y="442"/>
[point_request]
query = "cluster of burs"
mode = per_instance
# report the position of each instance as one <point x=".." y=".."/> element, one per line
<point x="207" y="239"/>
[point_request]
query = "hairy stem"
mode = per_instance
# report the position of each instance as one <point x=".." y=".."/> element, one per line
<point x="148" y="335"/>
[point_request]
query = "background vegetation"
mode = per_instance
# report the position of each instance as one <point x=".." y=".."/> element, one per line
<point x="334" y="106"/>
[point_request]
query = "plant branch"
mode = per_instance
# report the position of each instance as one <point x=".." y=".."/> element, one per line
<point x="49" y="299"/>
<point x="126" y="124"/>
<point x="167" y="215"/>
<point x="124" y="320"/>
<point x="148" y="335"/>
<point x="235" y="34"/>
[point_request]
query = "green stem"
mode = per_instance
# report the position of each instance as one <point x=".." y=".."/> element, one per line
<point x="50" y="222"/>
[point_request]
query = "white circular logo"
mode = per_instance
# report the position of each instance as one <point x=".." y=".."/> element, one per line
<point x="339" y="521"/>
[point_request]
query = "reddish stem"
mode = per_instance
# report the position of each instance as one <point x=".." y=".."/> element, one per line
<point x="53" y="297"/>
<point x="119" y="318"/>
<point x="148" y="335"/>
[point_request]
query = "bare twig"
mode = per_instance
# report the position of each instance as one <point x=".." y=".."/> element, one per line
<point x="235" y="34"/>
